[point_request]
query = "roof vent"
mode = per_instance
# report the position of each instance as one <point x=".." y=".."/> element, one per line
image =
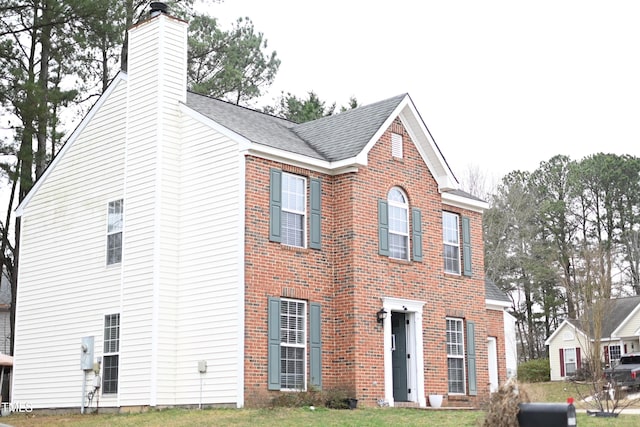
<point x="157" y="7"/>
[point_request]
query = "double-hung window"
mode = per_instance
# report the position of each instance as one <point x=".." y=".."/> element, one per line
<point x="398" y="224"/>
<point x="292" y="344"/>
<point x="291" y="214"/>
<point x="111" y="354"/>
<point x="455" y="356"/>
<point x="114" y="232"/>
<point x="293" y="209"/>
<point x="451" y="237"/>
<point x="294" y="354"/>
<point x="570" y="361"/>
<point x="395" y="232"/>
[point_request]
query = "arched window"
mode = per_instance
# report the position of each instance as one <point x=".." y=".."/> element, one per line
<point x="398" y="224"/>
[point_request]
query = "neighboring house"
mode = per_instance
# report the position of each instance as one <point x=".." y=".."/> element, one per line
<point x="570" y="344"/>
<point x="217" y="255"/>
<point x="5" y="315"/>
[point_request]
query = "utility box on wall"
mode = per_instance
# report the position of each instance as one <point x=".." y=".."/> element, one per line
<point x="86" y="354"/>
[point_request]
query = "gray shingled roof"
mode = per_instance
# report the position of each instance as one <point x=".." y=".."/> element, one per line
<point x="331" y="138"/>
<point x="492" y="292"/>
<point x="616" y="313"/>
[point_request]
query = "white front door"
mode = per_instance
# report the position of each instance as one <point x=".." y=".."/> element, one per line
<point x="492" y="353"/>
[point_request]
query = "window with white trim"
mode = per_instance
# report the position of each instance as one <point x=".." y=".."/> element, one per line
<point x="293" y="350"/>
<point x="396" y="145"/>
<point x="570" y="362"/>
<point x="455" y="356"/>
<point x="398" y="224"/>
<point x="451" y="238"/>
<point x="614" y="354"/>
<point x="114" y="232"/>
<point x="293" y="210"/>
<point x="111" y="354"/>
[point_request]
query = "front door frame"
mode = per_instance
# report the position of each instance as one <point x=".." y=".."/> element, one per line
<point x="415" y="347"/>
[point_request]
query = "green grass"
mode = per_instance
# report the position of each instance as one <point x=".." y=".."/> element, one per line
<point x="366" y="417"/>
<point x="369" y="417"/>
<point x="372" y="417"/>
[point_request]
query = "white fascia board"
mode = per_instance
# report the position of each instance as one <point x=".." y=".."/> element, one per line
<point x="427" y="147"/>
<point x="567" y="324"/>
<point x="376" y="136"/>
<point x="557" y="331"/>
<point x="494" y="304"/>
<point x="464" y="202"/>
<point x="120" y="77"/>
<point x="624" y="322"/>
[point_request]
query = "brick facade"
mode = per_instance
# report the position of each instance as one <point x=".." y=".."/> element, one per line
<point x="349" y="278"/>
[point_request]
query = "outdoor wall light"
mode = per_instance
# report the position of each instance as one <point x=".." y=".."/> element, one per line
<point x="381" y="315"/>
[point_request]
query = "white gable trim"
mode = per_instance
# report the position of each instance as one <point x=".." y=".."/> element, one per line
<point x="627" y="319"/>
<point x="120" y="77"/>
<point x="494" y="304"/>
<point x="427" y="147"/>
<point x="464" y="202"/>
<point x="565" y="324"/>
<point x="422" y="139"/>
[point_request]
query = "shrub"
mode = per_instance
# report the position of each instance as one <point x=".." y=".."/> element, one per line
<point x="534" y="371"/>
<point x="333" y="399"/>
<point x="503" y="406"/>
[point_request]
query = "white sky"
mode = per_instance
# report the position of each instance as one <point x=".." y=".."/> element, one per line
<point x="501" y="85"/>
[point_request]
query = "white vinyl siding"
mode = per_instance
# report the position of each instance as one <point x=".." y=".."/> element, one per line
<point x="63" y="275"/>
<point x="210" y="310"/>
<point x="184" y="189"/>
<point x="451" y="237"/>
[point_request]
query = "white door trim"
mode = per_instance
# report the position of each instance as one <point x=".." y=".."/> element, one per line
<point x="415" y="345"/>
<point x="492" y="355"/>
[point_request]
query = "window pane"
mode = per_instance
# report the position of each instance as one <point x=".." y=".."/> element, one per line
<point x="115" y="216"/>
<point x="292" y="367"/>
<point x="293" y="193"/>
<point x="398" y="219"/>
<point x="398" y="246"/>
<point x="110" y="374"/>
<point x="452" y="259"/>
<point x="455" y="370"/>
<point x="395" y="195"/>
<point x="114" y="248"/>
<point x="292" y="229"/>
<point x="450" y="228"/>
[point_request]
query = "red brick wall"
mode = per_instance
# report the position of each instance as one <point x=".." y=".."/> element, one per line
<point x="349" y="278"/>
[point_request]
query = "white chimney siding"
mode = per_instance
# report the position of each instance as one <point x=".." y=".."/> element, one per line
<point x="183" y="189"/>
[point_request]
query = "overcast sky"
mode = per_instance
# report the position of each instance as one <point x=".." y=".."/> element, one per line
<point x="501" y="85"/>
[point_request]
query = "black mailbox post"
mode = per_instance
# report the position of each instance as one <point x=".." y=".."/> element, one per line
<point x="546" y="414"/>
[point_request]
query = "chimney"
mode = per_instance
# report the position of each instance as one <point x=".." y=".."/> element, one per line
<point x="157" y="7"/>
<point x="156" y="86"/>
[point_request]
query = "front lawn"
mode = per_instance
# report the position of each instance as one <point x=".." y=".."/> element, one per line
<point x="369" y="417"/>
